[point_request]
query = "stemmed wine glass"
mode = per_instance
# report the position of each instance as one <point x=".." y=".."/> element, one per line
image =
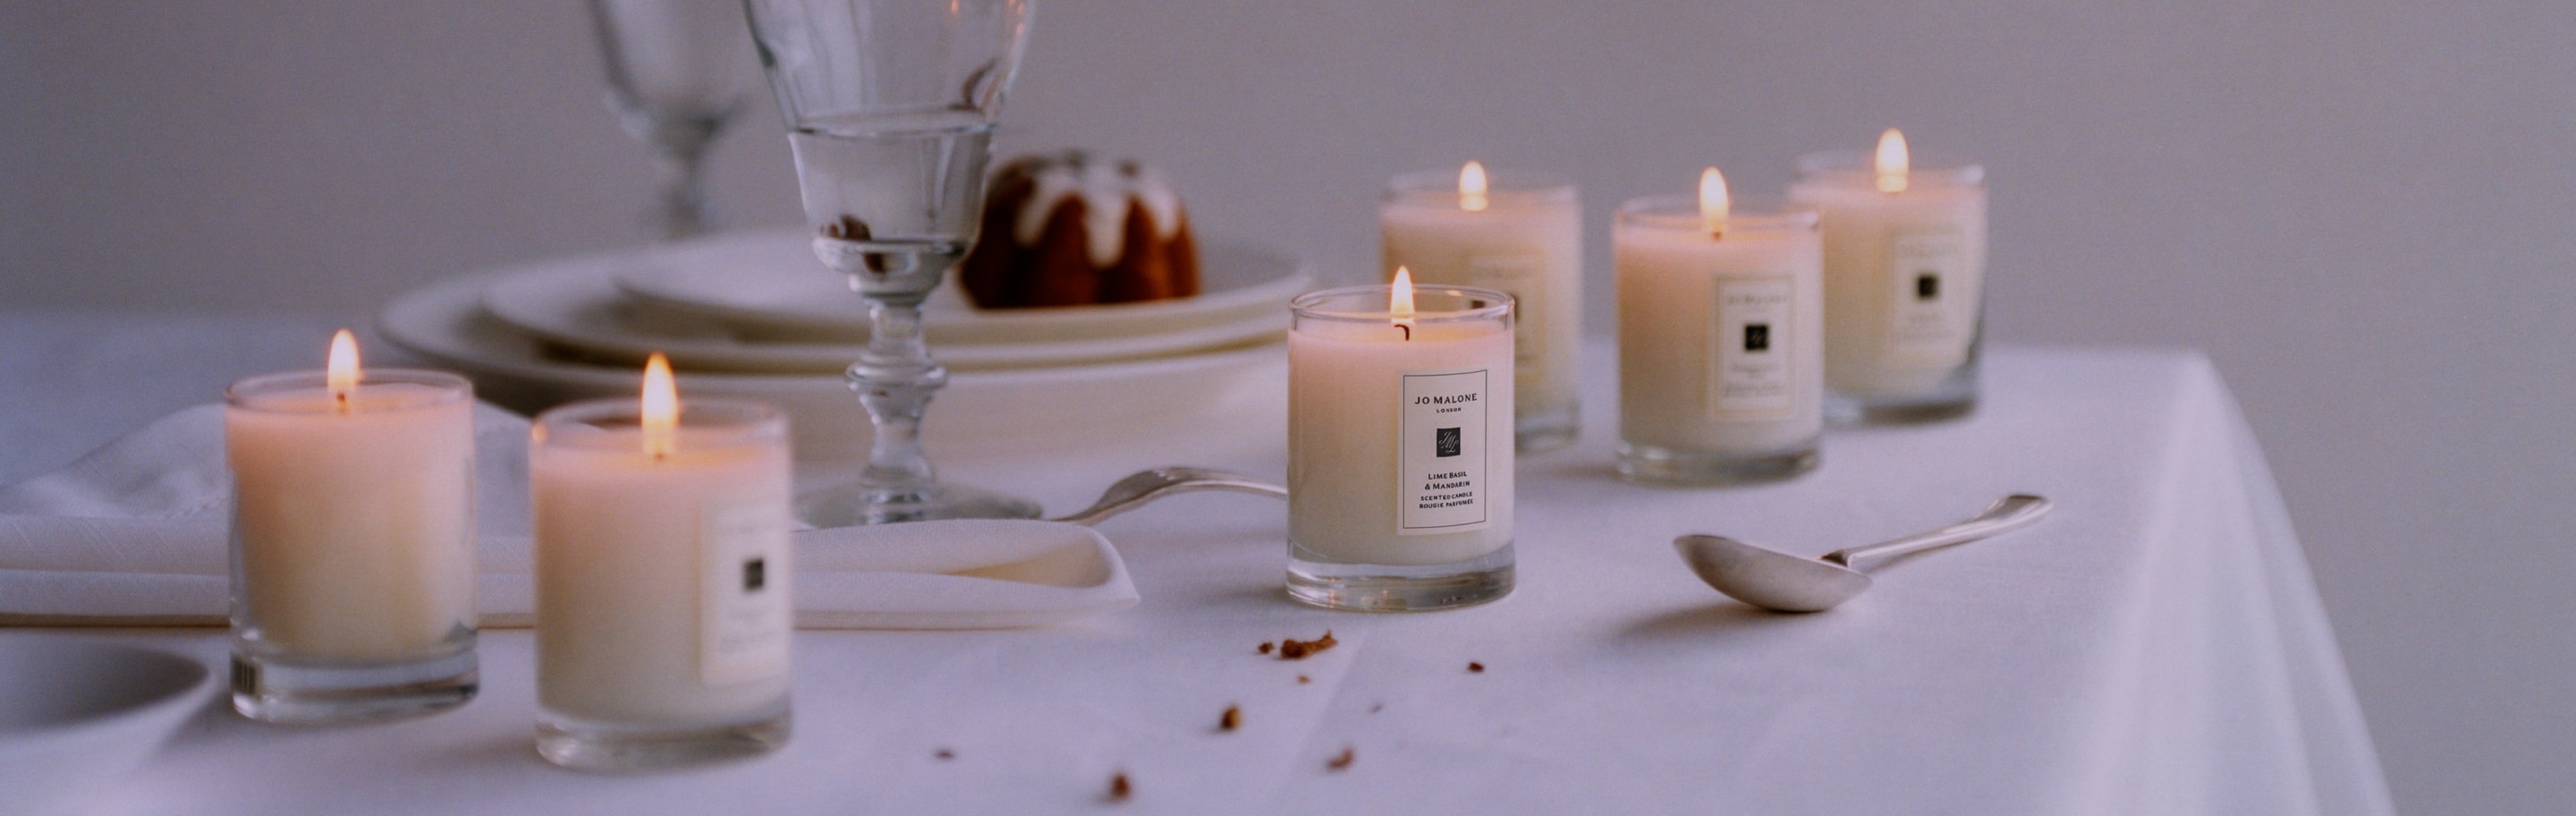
<point x="890" y="107"/>
<point x="677" y="71"/>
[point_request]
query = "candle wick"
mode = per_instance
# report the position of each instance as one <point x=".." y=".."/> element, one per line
<point x="1408" y="330"/>
<point x="341" y="400"/>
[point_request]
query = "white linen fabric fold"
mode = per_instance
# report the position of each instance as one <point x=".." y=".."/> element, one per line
<point x="135" y="534"/>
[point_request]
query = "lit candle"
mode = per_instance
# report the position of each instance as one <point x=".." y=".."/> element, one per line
<point x="353" y="541"/>
<point x="1721" y="338"/>
<point x="1400" y="446"/>
<point x="1518" y="233"/>
<point x="1905" y="268"/>
<point x="663" y="593"/>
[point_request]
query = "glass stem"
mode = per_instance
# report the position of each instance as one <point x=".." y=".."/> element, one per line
<point x="895" y="379"/>
<point x="681" y="211"/>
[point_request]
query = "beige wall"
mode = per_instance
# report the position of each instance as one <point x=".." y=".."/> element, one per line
<point x="2362" y="210"/>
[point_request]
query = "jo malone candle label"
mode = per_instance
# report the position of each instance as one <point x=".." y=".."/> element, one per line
<point x="1928" y="299"/>
<point x="1443" y="485"/>
<point x="746" y="615"/>
<point x="1754" y="323"/>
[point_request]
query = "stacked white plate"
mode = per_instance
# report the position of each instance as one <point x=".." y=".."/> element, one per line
<point x="754" y="315"/>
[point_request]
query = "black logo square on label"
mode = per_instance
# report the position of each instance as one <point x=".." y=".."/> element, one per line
<point x="1757" y="337"/>
<point x="1448" y="442"/>
<point x="755" y="574"/>
<point x="1927" y="286"/>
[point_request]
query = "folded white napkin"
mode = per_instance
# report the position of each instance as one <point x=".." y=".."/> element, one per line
<point x="135" y="534"/>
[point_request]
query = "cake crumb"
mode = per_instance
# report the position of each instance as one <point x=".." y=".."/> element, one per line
<point x="1302" y="679"/>
<point x="1342" y="760"/>
<point x="1474" y="667"/>
<point x="1294" y="649"/>
<point x="1265" y="647"/>
<point x="1233" y="718"/>
<point x="1119" y="789"/>
<point x="944" y="753"/>
<point x="1376" y="707"/>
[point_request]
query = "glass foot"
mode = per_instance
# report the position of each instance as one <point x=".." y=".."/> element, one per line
<point x="1391" y="588"/>
<point x="283" y="692"/>
<point x="1657" y="465"/>
<point x="1954" y="396"/>
<point x="1846" y="411"/>
<point x="850" y="504"/>
<point x="1537" y="431"/>
<point x="616" y="747"/>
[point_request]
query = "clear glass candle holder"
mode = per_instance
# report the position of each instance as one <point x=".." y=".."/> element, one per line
<point x="352" y="545"/>
<point x="1721" y="342"/>
<point x="1905" y="279"/>
<point x="664" y="600"/>
<point x="1400" y="449"/>
<point x="1522" y="236"/>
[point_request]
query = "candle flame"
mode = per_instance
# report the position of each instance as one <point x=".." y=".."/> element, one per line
<point x="1399" y="301"/>
<point x="1471" y="187"/>
<point x="1713" y="201"/>
<point x="661" y="408"/>
<point x="1893" y="163"/>
<point x="340" y="375"/>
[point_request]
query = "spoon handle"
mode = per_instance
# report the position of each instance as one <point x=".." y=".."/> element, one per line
<point x="2007" y="514"/>
<point x="1154" y="483"/>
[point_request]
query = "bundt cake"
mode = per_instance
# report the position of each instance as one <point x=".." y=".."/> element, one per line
<point x="1065" y="230"/>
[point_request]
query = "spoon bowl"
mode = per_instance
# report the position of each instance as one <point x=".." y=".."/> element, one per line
<point x="1768" y="578"/>
<point x="1781" y="582"/>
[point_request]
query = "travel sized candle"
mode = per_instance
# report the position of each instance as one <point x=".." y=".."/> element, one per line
<point x="1400" y="447"/>
<point x="664" y="600"/>
<point x="1905" y="270"/>
<point x="352" y="541"/>
<point x="1513" y="232"/>
<point x="1721" y="338"/>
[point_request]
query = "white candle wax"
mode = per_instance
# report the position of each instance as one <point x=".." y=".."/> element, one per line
<point x="663" y="583"/>
<point x="1400" y="450"/>
<point x="1522" y="237"/>
<point x="1904" y="274"/>
<point x="1721" y="338"/>
<point x="353" y="522"/>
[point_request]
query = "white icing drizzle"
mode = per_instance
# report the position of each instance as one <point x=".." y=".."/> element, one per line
<point x="1105" y="190"/>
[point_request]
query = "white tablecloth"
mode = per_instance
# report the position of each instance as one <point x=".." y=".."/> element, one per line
<point x="2155" y="646"/>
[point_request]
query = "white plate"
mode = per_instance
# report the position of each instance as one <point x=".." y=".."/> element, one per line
<point x="1232" y="395"/>
<point x="767" y="286"/>
<point x="573" y="304"/>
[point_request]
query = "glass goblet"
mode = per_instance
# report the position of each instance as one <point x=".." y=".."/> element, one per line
<point x="890" y="107"/>
<point x="677" y="71"/>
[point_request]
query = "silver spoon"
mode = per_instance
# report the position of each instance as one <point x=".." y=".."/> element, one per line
<point x="1147" y="485"/>
<point x="1781" y="582"/>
